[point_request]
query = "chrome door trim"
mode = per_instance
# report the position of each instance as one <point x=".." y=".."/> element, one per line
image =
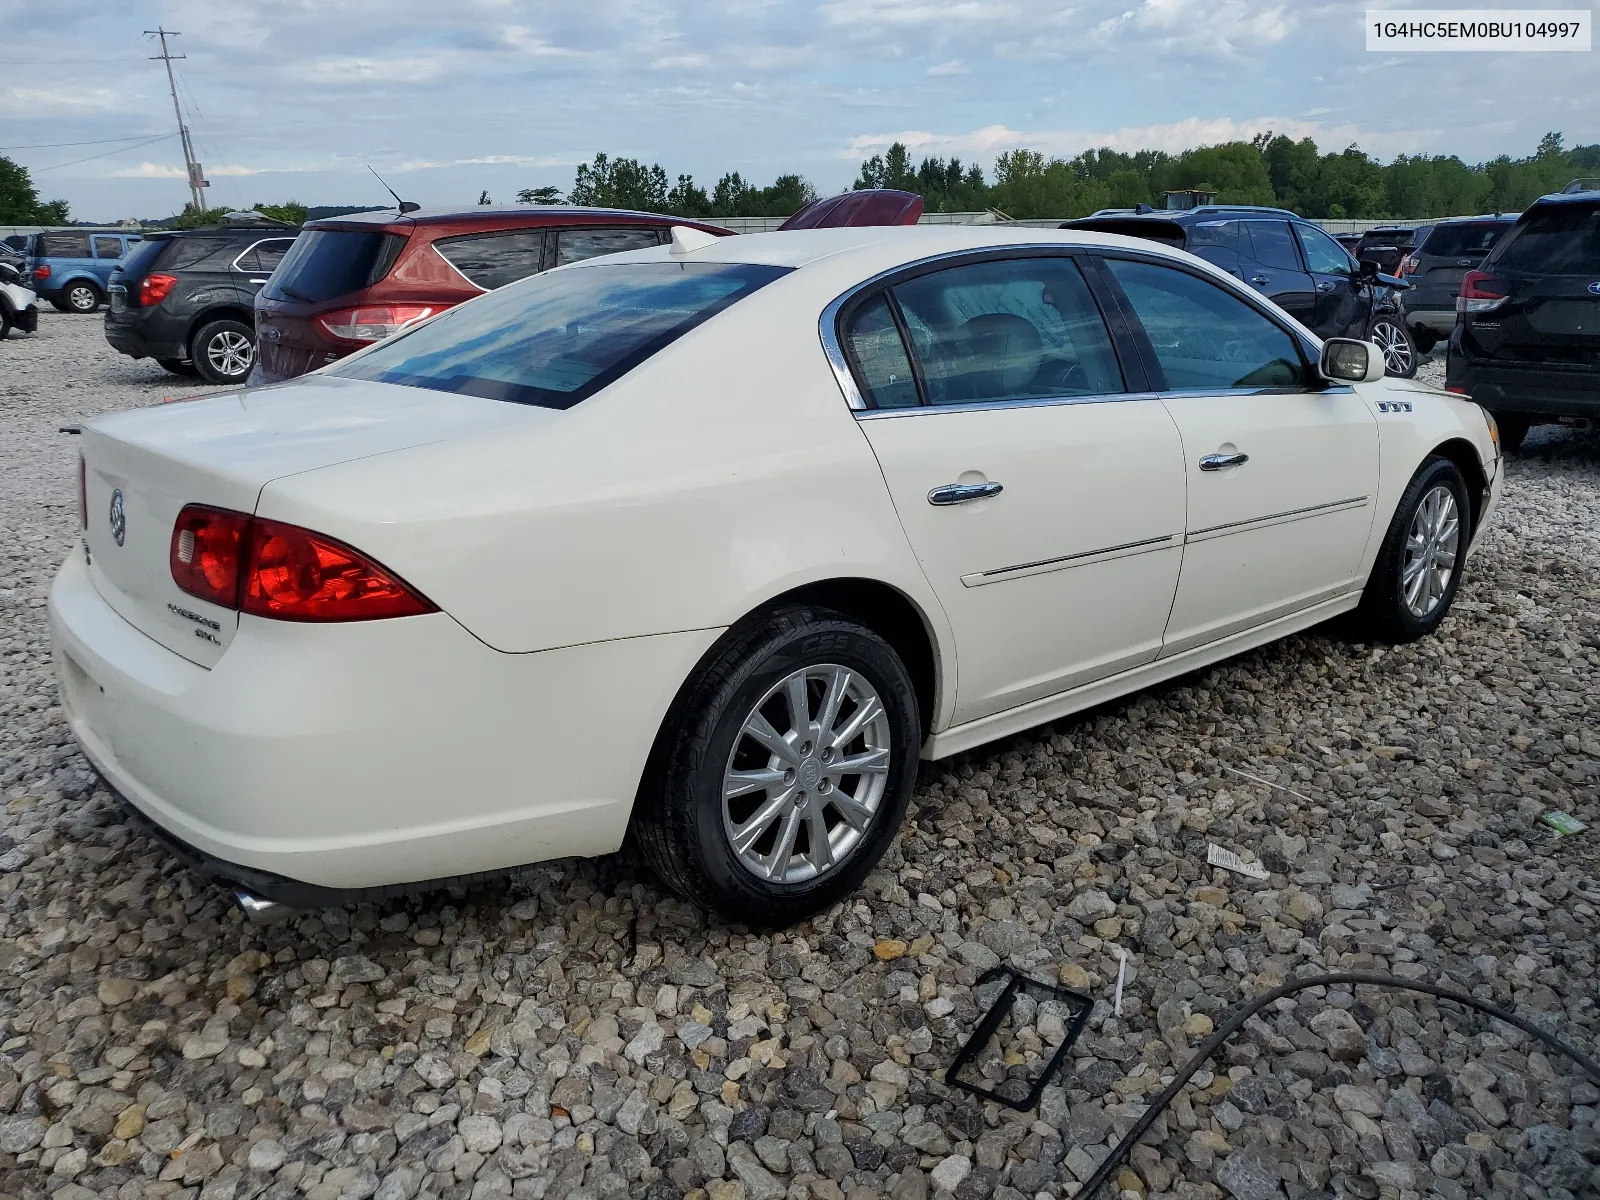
<point x="1293" y="514"/>
<point x="1045" y="565"/>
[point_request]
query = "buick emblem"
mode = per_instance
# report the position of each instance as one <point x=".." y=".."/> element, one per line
<point x="1594" y="288"/>
<point x="119" y="519"/>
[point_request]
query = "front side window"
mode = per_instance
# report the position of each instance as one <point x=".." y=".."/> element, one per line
<point x="1008" y="329"/>
<point x="1274" y="245"/>
<point x="878" y="356"/>
<point x="575" y="245"/>
<point x="556" y="339"/>
<point x="1555" y="239"/>
<point x="493" y="260"/>
<point x="107" y="247"/>
<point x="1323" y="255"/>
<point x="1205" y="337"/>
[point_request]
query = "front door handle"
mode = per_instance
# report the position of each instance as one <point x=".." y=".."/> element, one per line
<point x="1325" y="286"/>
<point x="960" y="493"/>
<point x="258" y="281"/>
<point x="1260" y="280"/>
<point x="1216" y="462"/>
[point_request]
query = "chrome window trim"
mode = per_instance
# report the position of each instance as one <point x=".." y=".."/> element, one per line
<point x="928" y="410"/>
<point x="234" y="265"/>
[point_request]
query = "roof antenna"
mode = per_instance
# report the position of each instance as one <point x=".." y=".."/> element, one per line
<point x="405" y="206"/>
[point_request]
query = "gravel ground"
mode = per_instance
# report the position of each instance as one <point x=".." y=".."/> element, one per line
<point x="578" y="1036"/>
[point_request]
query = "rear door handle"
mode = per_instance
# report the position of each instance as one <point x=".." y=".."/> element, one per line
<point x="1324" y="286"/>
<point x="258" y="281"/>
<point x="1260" y="280"/>
<point x="960" y="493"/>
<point x="1216" y="462"/>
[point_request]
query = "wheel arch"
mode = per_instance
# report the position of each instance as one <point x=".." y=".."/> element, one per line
<point x="1465" y="456"/>
<point x="233" y="310"/>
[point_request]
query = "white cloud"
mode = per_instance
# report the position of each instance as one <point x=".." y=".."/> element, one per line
<point x="953" y="67"/>
<point x="149" y="170"/>
<point x="1218" y="27"/>
<point x="907" y="13"/>
<point x="521" y="160"/>
<point x="67" y="101"/>
<point x="352" y="70"/>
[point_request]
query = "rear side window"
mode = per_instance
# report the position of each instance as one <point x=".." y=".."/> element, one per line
<point x="63" y="245"/>
<point x="575" y="245"/>
<point x="879" y="357"/>
<point x="264" y="256"/>
<point x="1008" y="330"/>
<point x="1216" y="242"/>
<point x="327" y="263"/>
<point x="1274" y="244"/>
<point x="107" y="247"/>
<point x="1554" y="239"/>
<point x="556" y="339"/>
<point x="1467" y="240"/>
<point x="1205" y="338"/>
<point x="493" y="260"/>
<point x="212" y="253"/>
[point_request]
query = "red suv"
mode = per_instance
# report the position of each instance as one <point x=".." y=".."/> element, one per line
<point x="350" y="281"/>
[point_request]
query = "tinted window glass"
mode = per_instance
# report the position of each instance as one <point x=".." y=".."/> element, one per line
<point x="142" y="258"/>
<point x="63" y="245"/>
<point x="1323" y="255"/>
<point x="881" y="366"/>
<point x="1555" y="239"/>
<point x="208" y="253"/>
<point x="1467" y="240"/>
<point x="556" y="339"/>
<point x="1216" y="242"/>
<point x="107" y="247"/>
<point x="1008" y="330"/>
<point x="270" y="254"/>
<point x="1274" y="244"/>
<point x="493" y="260"/>
<point x="575" y="245"/>
<point x="324" y="263"/>
<point x="1203" y="336"/>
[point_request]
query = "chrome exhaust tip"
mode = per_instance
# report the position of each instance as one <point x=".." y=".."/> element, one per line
<point x="259" y="911"/>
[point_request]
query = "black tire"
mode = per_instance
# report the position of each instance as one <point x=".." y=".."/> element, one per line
<point x="678" y="819"/>
<point x="60" y="305"/>
<point x="82" y="297"/>
<point x="1424" y="340"/>
<point x="1514" y="428"/>
<point x="1384" y="612"/>
<point x="178" y="366"/>
<point x="216" y="354"/>
<point x="5" y="323"/>
<point x="1399" y="350"/>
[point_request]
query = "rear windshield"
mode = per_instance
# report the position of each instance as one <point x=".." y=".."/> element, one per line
<point x="326" y="263"/>
<point x="556" y="339"/>
<point x="1555" y="239"/>
<point x="142" y="258"/>
<point x="1469" y="240"/>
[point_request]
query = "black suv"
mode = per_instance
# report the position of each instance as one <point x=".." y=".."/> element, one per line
<point x="187" y="298"/>
<point x="1290" y="261"/>
<point x="1526" y="345"/>
<point x="1435" y="267"/>
<point x="1387" y="245"/>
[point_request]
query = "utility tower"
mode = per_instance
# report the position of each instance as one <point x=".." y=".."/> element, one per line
<point x="197" y="179"/>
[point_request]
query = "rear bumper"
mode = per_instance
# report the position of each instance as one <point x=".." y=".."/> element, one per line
<point x="1439" y="320"/>
<point x="1528" y="388"/>
<point x="135" y="340"/>
<point x="313" y="763"/>
<point x="26" y="319"/>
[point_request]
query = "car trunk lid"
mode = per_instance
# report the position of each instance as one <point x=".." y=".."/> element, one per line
<point x="142" y="466"/>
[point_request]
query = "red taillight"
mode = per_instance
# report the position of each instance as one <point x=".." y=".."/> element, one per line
<point x="1480" y="285"/>
<point x="41" y="272"/>
<point x="1458" y="390"/>
<point x="153" y="289"/>
<point x="282" y="571"/>
<point x="374" y="322"/>
<point x="1407" y="265"/>
<point x="206" y="550"/>
<point x="83" y="493"/>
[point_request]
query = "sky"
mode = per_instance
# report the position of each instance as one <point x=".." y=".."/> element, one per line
<point x="294" y="99"/>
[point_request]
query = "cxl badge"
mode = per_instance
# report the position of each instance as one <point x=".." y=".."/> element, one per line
<point x="118" y="518"/>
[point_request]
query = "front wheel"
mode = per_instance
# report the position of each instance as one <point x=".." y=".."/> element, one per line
<point x="82" y="298"/>
<point x="1399" y="351"/>
<point x="783" y="772"/>
<point x="1418" y="570"/>
<point x="223" y="351"/>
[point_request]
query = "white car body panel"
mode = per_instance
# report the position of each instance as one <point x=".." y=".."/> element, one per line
<point x="584" y="561"/>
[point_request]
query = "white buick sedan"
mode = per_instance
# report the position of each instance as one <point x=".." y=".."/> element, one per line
<point x="708" y="543"/>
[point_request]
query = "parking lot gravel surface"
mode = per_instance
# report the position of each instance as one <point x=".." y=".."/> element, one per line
<point x="575" y="1034"/>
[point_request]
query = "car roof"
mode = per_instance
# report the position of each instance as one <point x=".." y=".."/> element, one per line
<point x="536" y="213"/>
<point x="1568" y="198"/>
<point x="1481" y="217"/>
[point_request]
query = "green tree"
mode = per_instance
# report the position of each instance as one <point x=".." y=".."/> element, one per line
<point x="19" y="198"/>
<point x="196" y="218"/>
<point x="890" y="170"/>
<point x="688" y="199"/>
<point x="539" y="195"/>
<point x="483" y="197"/>
<point x="619" y="183"/>
<point x="291" y="211"/>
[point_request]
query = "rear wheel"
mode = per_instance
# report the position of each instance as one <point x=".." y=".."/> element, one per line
<point x="1424" y="340"/>
<point x="1418" y="570"/>
<point x="5" y="323"/>
<point x="1513" y="429"/>
<point x="82" y="297"/>
<point x="783" y="772"/>
<point x="1399" y="351"/>
<point x="223" y="351"/>
<point x="177" y="366"/>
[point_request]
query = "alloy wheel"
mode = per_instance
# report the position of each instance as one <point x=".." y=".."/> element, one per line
<point x="82" y="299"/>
<point x="229" y="353"/>
<point x="1391" y="339"/>
<point x="1431" y="551"/>
<point x="807" y="774"/>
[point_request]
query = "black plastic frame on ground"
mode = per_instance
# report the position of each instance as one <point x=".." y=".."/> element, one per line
<point x="1016" y="984"/>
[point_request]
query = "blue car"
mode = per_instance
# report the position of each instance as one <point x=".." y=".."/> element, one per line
<point x="72" y="267"/>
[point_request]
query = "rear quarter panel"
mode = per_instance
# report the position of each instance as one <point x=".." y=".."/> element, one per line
<point x="723" y="472"/>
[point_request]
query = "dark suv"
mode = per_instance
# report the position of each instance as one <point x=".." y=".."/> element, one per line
<point x="1434" y="268"/>
<point x="1527" y="343"/>
<point x="186" y="298"/>
<point x="1290" y="261"/>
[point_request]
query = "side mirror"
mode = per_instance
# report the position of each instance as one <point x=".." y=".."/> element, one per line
<point x="1370" y="267"/>
<point x="1346" y="360"/>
